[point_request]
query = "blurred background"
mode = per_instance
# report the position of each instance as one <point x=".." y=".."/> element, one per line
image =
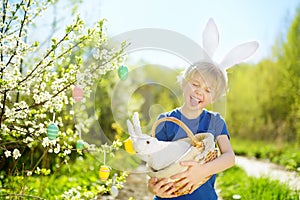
<point x="262" y="107"/>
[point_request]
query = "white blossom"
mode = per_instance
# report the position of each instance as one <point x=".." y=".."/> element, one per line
<point x="28" y="139"/>
<point x="16" y="154"/>
<point x="7" y="153"/>
<point x="57" y="149"/>
<point x="38" y="170"/>
<point x="46" y="142"/>
<point x="29" y="173"/>
<point x="67" y="151"/>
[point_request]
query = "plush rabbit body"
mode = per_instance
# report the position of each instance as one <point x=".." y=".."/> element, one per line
<point x="157" y="154"/>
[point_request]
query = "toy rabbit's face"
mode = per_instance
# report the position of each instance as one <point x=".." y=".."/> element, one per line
<point x="144" y="145"/>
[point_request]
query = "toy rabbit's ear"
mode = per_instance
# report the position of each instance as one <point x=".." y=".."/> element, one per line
<point x="136" y="124"/>
<point x="130" y="129"/>
<point x="210" y="38"/>
<point x="239" y="54"/>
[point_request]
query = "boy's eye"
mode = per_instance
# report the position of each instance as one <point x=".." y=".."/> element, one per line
<point x="208" y="90"/>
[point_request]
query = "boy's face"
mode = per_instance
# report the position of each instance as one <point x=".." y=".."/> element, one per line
<point x="197" y="93"/>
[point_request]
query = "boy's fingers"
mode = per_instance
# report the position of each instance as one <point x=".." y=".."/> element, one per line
<point x="153" y="180"/>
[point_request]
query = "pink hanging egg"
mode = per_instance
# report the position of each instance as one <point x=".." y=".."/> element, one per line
<point x="77" y="93"/>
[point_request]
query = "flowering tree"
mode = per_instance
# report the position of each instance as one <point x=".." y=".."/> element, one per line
<point x="36" y="87"/>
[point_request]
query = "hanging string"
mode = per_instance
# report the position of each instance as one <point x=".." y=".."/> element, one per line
<point x="53" y="117"/>
<point x="104" y="158"/>
<point x="114" y="179"/>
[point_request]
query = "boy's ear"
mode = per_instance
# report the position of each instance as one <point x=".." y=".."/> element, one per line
<point x="183" y="83"/>
<point x="213" y="98"/>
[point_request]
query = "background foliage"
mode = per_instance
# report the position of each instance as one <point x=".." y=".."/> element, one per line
<point x="36" y="80"/>
<point x="263" y="102"/>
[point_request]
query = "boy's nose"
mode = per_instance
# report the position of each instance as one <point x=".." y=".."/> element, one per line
<point x="198" y="91"/>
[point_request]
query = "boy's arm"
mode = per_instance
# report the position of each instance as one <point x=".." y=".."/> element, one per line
<point x="197" y="172"/>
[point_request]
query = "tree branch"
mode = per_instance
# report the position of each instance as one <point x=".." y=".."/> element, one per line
<point x="11" y="19"/>
<point x="4" y="5"/>
<point x="47" y="54"/>
<point x="3" y="107"/>
<point x="20" y="34"/>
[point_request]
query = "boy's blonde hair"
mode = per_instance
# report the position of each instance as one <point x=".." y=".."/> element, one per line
<point x="210" y="73"/>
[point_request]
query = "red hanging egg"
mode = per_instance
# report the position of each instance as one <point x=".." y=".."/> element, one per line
<point x="77" y="93"/>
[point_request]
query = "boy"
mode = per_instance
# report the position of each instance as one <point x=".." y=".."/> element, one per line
<point x="202" y="84"/>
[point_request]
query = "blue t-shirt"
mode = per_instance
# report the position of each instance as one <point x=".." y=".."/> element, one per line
<point x="206" y="122"/>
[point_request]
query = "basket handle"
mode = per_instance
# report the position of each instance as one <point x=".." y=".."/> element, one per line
<point x="179" y="123"/>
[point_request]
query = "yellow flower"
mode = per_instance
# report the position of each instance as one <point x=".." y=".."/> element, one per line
<point x="129" y="146"/>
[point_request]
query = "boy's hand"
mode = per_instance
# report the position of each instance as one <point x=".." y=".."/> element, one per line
<point x="191" y="177"/>
<point x="161" y="188"/>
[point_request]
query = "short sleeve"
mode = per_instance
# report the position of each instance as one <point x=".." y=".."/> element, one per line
<point x="219" y="126"/>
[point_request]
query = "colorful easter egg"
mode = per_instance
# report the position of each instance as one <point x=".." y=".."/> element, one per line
<point x="52" y="131"/>
<point x="80" y="144"/>
<point x="114" y="191"/>
<point x="129" y="146"/>
<point x="77" y="93"/>
<point x="104" y="172"/>
<point x="123" y="72"/>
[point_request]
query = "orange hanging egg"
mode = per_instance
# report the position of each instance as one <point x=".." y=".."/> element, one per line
<point x="77" y="93"/>
<point x="104" y="172"/>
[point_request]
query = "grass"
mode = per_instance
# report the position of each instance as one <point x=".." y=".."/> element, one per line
<point x="80" y="179"/>
<point x="235" y="184"/>
<point x="287" y="155"/>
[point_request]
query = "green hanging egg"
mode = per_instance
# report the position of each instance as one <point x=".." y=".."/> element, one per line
<point x="80" y="144"/>
<point x="52" y="131"/>
<point x="123" y="72"/>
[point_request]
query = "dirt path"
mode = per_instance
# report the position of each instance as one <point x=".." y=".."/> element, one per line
<point x="136" y="187"/>
<point x="259" y="168"/>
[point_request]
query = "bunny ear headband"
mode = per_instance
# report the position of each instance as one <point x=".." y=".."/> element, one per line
<point x="234" y="56"/>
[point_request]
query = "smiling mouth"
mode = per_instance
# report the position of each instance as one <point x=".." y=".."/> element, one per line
<point x="194" y="101"/>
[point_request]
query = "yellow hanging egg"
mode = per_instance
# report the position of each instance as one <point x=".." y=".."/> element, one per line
<point x="129" y="146"/>
<point x="104" y="172"/>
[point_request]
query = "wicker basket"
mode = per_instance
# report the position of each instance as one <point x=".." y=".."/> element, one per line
<point x="203" y="150"/>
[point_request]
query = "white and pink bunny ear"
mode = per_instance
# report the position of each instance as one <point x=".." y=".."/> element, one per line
<point x="238" y="54"/>
<point x="210" y="38"/>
